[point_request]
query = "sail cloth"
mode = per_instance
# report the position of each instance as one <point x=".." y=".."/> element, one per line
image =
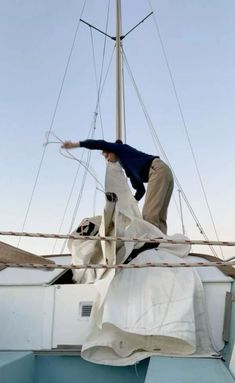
<point x="142" y="312"/>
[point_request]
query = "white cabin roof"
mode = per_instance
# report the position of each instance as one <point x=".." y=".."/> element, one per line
<point x="208" y="274"/>
<point x="17" y="276"/>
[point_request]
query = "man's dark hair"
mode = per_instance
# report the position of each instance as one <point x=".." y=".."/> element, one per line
<point x="118" y="142"/>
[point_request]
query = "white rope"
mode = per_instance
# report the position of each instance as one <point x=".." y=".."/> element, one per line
<point x="70" y="156"/>
<point x="119" y="266"/>
<point x="117" y="239"/>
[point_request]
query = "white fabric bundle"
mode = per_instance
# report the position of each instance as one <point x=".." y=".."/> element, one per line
<point x="148" y="311"/>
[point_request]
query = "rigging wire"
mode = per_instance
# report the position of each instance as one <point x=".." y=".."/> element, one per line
<point x="99" y="89"/>
<point x="181" y="213"/>
<point x="81" y="163"/>
<point x="52" y="120"/>
<point x="157" y="142"/>
<point x="97" y="108"/>
<point x="107" y="71"/>
<point x="78" y="201"/>
<point x="184" y="122"/>
<point x="68" y="202"/>
<point x="87" y="168"/>
<point x="93" y="127"/>
<point x="72" y="157"/>
<point x="85" y="164"/>
<point x="76" y="175"/>
<point x="156" y="139"/>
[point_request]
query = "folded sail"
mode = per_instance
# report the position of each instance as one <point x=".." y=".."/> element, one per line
<point x="148" y="311"/>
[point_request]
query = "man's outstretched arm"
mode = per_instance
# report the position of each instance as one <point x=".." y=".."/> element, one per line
<point x="93" y="144"/>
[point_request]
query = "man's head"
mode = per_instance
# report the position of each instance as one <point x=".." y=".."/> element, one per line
<point x="111" y="157"/>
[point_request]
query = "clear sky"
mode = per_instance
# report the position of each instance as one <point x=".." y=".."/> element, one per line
<point x="35" y="40"/>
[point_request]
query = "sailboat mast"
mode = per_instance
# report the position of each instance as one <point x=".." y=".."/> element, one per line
<point x="118" y="72"/>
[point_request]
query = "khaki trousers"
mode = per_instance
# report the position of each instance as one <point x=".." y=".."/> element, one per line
<point x="158" y="194"/>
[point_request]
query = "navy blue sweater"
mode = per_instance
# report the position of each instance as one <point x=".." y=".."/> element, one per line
<point x="135" y="163"/>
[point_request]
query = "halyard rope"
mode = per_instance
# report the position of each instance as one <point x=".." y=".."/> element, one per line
<point x="117" y="239"/>
<point x="119" y="266"/>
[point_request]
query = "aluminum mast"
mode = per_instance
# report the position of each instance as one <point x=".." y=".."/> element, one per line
<point x="118" y="72"/>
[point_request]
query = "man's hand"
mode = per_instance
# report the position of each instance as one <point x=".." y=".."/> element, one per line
<point x="70" y="145"/>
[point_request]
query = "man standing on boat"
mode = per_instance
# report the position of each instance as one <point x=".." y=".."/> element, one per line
<point x="139" y="168"/>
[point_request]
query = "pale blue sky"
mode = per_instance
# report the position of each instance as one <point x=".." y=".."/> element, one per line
<point x="35" y="40"/>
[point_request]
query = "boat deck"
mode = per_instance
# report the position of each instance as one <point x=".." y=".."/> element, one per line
<point x="185" y="370"/>
<point x="26" y="367"/>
